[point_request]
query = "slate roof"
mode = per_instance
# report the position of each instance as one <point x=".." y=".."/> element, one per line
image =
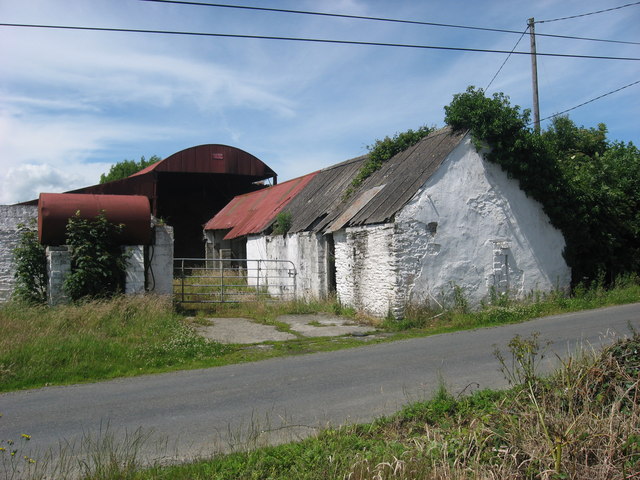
<point x="320" y="205"/>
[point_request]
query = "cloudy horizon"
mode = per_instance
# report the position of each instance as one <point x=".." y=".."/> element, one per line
<point x="72" y="103"/>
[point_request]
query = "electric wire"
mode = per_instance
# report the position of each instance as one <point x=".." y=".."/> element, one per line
<point x="308" y="40"/>
<point x="380" y="19"/>
<point x="506" y="59"/>
<point x="587" y="14"/>
<point x="588" y="101"/>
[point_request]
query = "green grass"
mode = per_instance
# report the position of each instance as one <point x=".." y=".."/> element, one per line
<point x="96" y="340"/>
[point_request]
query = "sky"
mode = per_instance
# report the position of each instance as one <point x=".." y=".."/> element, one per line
<point x="72" y="102"/>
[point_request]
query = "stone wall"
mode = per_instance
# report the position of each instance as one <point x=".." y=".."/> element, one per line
<point x="366" y="268"/>
<point x="10" y="217"/>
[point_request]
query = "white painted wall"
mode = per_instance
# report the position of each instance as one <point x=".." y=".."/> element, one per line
<point x="10" y="217"/>
<point x="488" y="233"/>
<point x="366" y="268"/>
<point x="307" y="252"/>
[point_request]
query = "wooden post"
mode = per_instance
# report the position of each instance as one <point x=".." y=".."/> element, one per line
<point x="534" y="76"/>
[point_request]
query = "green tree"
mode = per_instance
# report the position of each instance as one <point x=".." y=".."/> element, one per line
<point x="604" y="177"/>
<point x="97" y="262"/>
<point x="127" y="168"/>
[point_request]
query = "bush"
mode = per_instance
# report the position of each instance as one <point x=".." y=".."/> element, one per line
<point x="97" y="262"/>
<point x="31" y="266"/>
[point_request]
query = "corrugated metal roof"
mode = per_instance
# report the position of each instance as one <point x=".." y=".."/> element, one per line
<point x="320" y="205"/>
<point x="212" y="158"/>
<point x="253" y="212"/>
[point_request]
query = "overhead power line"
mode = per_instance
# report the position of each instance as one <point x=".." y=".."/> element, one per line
<point x="590" y="13"/>
<point x="378" y="19"/>
<point x="590" y="101"/>
<point x="506" y="59"/>
<point x="308" y="40"/>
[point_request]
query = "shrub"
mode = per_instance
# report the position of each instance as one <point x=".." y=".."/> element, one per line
<point x="31" y="266"/>
<point x="97" y="262"/>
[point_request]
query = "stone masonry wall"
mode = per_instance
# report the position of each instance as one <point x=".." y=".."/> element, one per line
<point x="10" y="217"/>
<point x="366" y="268"/>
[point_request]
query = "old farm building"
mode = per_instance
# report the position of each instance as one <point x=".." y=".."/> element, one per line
<point x="188" y="187"/>
<point x="434" y="218"/>
<point x="184" y="190"/>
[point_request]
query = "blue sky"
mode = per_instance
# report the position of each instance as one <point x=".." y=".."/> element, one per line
<point x="74" y="102"/>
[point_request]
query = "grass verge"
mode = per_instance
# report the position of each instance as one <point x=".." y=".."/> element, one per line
<point x="129" y="336"/>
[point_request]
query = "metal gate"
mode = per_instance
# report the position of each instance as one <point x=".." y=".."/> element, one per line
<point x="218" y="280"/>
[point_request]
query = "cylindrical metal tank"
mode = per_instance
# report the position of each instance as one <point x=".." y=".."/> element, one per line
<point x="55" y="210"/>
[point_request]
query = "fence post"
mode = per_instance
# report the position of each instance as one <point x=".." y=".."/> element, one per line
<point x="182" y="278"/>
<point x="222" y="283"/>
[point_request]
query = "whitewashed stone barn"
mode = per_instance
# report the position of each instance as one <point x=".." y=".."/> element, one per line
<point x="434" y="218"/>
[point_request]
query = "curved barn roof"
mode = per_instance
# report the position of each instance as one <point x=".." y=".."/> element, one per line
<point x="212" y="158"/>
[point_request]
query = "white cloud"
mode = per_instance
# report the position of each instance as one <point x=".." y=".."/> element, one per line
<point x="70" y="99"/>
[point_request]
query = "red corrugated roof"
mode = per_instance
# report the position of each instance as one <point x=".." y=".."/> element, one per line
<point x="252" y="212"/>
<point x="211" y="158"/>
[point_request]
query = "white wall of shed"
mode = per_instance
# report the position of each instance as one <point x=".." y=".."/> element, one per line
<point x="10" y="217"/>
<point x="471" y="226"/>
<point x="307" y="252"/>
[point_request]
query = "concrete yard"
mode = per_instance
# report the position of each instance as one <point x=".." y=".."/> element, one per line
<point x="242" y="330"/>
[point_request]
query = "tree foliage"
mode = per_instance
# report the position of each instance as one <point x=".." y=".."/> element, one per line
<point x="588" y="185"/>
<point x="97" y="262"/>
<point x="127" y="168"/>
<point x="31" y="266"/>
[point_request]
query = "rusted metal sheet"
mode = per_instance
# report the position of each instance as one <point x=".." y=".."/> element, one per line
<point x="55" y="210"/>
<point x="254" y="212"/>
<point x="212" y="158"/>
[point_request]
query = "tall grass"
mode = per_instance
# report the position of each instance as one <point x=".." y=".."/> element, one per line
<point x="502" y="309"/>
<point x="95" y="340"/>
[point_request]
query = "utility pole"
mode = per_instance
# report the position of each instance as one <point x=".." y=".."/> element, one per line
<point x="534" y="76"/>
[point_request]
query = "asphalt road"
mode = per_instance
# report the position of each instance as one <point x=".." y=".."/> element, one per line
<point x="191" y="413"/>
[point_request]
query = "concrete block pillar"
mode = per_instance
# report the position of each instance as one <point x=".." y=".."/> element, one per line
<point x="58" y="267"/>
<point x="160" y="273"/>
<point x="134" y="275"/>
